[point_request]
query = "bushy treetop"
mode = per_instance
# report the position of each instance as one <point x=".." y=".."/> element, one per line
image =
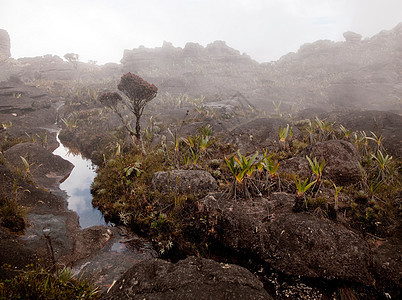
<point x="110" y="99"/>
<point x="136" y="88"/>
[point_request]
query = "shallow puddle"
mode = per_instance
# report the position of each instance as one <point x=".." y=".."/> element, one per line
<point x="78" y="187"/>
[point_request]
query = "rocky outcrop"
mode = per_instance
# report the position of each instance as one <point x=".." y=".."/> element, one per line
<point x="195" y="70"/>
<point x="295" y="244"/>
<point x="184" y="182"/>
<point x="352" y="37"/>
<point x="192" y="278"/>
<point x="46" y="169"/>
<point x="5" y="45"/>
<point x="341" y="160"/>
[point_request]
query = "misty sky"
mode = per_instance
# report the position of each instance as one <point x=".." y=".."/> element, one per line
<point x="265" y="29"/>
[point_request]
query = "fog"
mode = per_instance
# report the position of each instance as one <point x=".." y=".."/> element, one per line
<point x="264" y="29"/>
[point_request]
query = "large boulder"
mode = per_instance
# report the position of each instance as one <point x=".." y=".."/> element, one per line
<point x="5" y="45"/>
<point x="341" y="160"/>
<point x="192" y="278"/>
<point x="185" y="182"/>
<point x="295" y="244"/>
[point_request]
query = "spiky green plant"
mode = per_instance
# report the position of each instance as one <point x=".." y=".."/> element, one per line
<point x="303" y="186"/>
<point x="325" y="129"/>
<point x="277" y="105"/>
<point x="316" y="167"/>
<point x="284" y="133"/>
<point x="345" y="131"/>
<point x="337" y="191"/>
<point x="269" y="164"/>
<point x="70" y="123"/>
<point x="241" y="167"/>
<point x="383" y="164"/>
<point x="27" y="164"/>
<point x="378" y="139"/>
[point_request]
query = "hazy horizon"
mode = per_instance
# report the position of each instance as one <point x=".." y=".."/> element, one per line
<point x="265" y="30"/>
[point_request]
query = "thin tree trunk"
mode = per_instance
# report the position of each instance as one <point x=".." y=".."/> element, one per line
<point x="138" y="134"/>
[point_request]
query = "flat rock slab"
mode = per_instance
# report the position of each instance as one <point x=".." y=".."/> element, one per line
<point x="192" y="278"/>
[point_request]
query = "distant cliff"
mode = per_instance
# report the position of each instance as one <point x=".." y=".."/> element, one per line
<point x="215" y="69"/>
<point x="356" y="73"/>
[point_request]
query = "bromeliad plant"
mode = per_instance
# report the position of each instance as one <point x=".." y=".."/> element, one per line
<point x="303" y="187"/>
<point x="325" y="129"/>
<point x="316" y="167"/>
<point x="378" y="139"/>
<point x="242" y="167"/>
<point x="269" y="164"/>
<point x="337" y="191"/>
<point x="345" y="131"/>
<point x="198" y="145"/>
<point x="271" y="167"/>
<point x="283" y="135"/>
<point x="383" y="165"/>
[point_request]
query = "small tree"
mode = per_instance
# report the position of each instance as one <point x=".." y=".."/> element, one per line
<point x="139" y="93"/>
<point x="72" y="58"/>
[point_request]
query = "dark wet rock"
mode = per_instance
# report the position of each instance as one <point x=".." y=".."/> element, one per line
<point x="295" y="244"/>
<point x="56" y="228"/>
<point x="88" y="241"/>
<point x="295" y="165"/>
<point x="184" y="181"/>
<point x="47" y="169"/>
<point x="388" y="261"/>
<point x="192" y="278"/>
<point x="5" y="45"/>
<point x="47" y="214"/>
<point x="341" y="160"/>
<point x="106" y="265"/>
<point x="13" y="253"/>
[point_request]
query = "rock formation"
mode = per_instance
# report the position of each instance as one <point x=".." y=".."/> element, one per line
<point x="352" y="37"/>
<point x="5" y="45"/>
<point x="192" y="278"/>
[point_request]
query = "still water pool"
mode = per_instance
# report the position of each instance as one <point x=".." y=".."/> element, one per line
<point x="78" y="188"/>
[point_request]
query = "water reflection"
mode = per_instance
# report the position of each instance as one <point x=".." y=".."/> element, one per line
<point x="77" y="187"/>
